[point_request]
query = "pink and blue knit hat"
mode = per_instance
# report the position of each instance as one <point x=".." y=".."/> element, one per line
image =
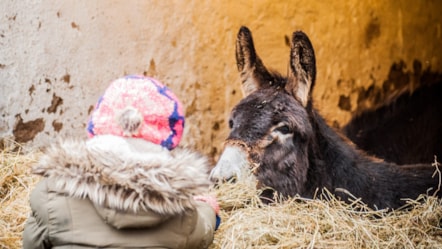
<point x="139" y="107"/>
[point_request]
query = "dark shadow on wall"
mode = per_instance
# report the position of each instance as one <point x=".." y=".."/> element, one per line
<point x="404" y="124"/>
<point x="400" y="81"/>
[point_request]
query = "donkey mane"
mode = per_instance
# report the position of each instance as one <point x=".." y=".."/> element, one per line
<point x="277" y="128"/>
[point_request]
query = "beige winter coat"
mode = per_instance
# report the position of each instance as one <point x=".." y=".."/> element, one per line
<point x="111" y="192"/>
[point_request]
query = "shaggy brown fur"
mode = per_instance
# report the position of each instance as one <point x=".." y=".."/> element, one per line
<point x="127" y="175"/>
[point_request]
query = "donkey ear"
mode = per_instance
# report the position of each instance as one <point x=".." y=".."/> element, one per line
<point x="302" y="68"/>
<point x="254" y="75"/>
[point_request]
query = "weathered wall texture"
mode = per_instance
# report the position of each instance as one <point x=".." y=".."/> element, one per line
<point x="56" y="57"/>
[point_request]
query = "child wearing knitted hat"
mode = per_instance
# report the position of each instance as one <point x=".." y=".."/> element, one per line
<point x="128" y="185"/>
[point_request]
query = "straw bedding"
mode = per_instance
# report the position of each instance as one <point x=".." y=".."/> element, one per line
<point x="247" y="223"/>
<point x="324" y="223"/>
<point x="16" y="182"/>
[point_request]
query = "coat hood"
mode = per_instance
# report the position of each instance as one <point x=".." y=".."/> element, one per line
<point x="126" y="174"/>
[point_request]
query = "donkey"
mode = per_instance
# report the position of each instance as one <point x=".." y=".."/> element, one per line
<point x="278" y="136"/>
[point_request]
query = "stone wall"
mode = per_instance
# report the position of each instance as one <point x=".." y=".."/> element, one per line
<point x="57" y="57"/>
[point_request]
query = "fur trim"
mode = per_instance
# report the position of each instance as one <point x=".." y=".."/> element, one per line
<point x="126" y="174"/>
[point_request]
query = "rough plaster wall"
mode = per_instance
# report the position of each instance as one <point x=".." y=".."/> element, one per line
<point x="56" y="57"/>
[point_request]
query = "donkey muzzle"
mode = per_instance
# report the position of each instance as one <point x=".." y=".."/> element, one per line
<point x="232" y="164"/>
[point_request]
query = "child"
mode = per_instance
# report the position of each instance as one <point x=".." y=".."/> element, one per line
<point x="126" y="186"/>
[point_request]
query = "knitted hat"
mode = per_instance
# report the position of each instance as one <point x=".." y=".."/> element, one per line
<point x="139" y="107"/>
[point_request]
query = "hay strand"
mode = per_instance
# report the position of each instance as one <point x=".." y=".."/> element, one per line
<point x="324" y="222"/>
<point x="16" y="183"/>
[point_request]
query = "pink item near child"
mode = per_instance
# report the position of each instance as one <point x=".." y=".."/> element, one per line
<point x="139" y="107"/>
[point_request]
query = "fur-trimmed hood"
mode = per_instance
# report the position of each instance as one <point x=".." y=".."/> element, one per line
<point x="126" y="174"/>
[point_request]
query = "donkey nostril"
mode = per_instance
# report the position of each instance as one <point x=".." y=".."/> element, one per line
<point x="214" y="180"/>
<point x="231" y="179"/>
<point x="218" y="181"/>
<point x="216" y="185"/>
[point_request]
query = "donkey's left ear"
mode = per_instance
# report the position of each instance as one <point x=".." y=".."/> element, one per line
<point x="302" y="73"/>
<point x="254" y="75"/>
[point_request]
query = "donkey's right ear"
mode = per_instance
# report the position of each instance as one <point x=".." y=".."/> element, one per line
<point x="254" y="75"/>
<point x="302" y="73"/>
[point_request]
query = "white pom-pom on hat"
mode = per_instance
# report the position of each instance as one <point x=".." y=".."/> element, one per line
<point x="130" y="120"/>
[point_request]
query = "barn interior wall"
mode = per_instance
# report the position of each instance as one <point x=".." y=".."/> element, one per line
<point x="57" y="57"/>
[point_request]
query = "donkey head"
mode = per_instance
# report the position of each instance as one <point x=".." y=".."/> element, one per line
<point x="270" y="127"/>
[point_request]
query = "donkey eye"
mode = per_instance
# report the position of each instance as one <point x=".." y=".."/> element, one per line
<point x="230" y="124"/>
<point x="283" y="129"/>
